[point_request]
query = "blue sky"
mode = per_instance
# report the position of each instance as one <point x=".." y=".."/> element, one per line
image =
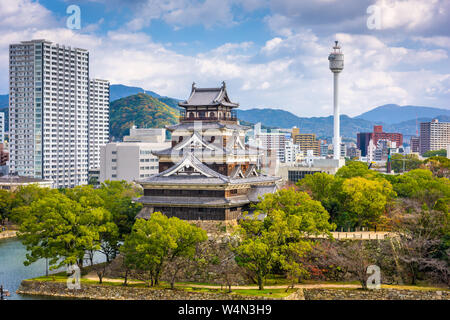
<point x="271" y="53"/>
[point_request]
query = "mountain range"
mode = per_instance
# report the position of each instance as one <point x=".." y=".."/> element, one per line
<point x="323" y="126"/>
<point x="145" y="108"/>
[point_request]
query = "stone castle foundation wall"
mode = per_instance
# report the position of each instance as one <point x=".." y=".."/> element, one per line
<point x="105" y="292"/>
<point x="381" y="294"/>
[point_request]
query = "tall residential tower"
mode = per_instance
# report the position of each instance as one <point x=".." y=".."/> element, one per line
<point x="434" y="135"/>
<point x="98" y="119"/>
<point x="48" y="108"/>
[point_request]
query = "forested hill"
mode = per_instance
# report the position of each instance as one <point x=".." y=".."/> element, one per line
<point x="142" y="110"/>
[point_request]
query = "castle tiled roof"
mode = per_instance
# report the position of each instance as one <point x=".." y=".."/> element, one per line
<point x="208" y="97"/>
<point x="200" y="174"/>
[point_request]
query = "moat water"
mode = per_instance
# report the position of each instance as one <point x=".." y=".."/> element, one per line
<point x="13" y="271"/>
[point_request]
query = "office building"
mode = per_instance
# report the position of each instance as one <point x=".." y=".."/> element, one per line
<point x="414" y="144"/>
<point x="434" y="135"/>
<point x="310" y="165"/>
<point x="132" y="159"/>
<point x="98" y="117"/>
<point x="306" y="141"/>
<point x="363" y="138"/>
<point x="353" y="152"/>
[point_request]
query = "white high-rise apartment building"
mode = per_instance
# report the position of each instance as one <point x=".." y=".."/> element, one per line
<point x="49" y="111"/>
<point x="2" y="127"/>
<point x="273" y="141"/>
<point x="98" y="119"/>
<point x="291" y="151"/>
<point x="434" y="135"/>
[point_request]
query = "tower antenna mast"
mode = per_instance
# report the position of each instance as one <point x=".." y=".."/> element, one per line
<point x="336" y="59"/>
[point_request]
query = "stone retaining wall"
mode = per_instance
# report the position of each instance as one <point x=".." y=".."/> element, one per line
<point x="8" y="234"/>
<point x="381" y="294"/>
<point x="106" y="292"/>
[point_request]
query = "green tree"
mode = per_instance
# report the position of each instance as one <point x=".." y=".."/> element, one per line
<point x="280" y="237"/>
<point x="325" y="188"/>
<point x="88" y="197"/>
<point x="440" y="153"/>
<point x="159" y="241"/>
<point x="60" y="229"/>
<point x="356" y="169"/>
<point x="421" y="185"/>
<point x="118" y="199"/>
<point x="366" y="200"/>
<point x="403" y="163"/>
<point x="440" y="166"/>
<point x="24" y="196"/>
<point x="6" y="204"/>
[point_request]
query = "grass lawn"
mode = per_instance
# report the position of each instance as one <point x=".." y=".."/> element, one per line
<point x="273" y="293"/>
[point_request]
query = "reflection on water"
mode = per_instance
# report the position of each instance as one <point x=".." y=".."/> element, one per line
<point x="12" y="270"/>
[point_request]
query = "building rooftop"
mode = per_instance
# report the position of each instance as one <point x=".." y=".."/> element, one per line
<point x="21" y="179"/>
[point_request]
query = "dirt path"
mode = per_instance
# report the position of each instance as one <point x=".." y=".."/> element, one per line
<point x="93" y="276"/>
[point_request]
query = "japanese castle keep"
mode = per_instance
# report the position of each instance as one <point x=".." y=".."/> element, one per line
<point x="209" y="173"/>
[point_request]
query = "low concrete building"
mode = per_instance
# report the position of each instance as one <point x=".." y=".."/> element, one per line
<point x="295" y="172"/>
<point x="13" y="182"/>
<point x="131" y="161"/>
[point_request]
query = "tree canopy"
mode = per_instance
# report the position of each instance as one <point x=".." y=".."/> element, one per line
<point x="279" y="239"/>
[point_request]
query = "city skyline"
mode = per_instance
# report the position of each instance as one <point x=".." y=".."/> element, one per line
<point x="272" y="54"/>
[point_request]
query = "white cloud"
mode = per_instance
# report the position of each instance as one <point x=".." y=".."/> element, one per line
<point x="438" y="41"/>
<point x="20" y="14"/>
<point x="289" y="71"/>
<point x="412" y="14"/>
<point x="351" y="16"/>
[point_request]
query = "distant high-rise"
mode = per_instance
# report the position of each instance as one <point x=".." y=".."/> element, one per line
<point x="98" y="119"/>
<point x="363" y="138"/>
<point x="2" y="127"/>
<point x="273" y="141"/>
<point x="434" y="135"/>
<point x="306" y="141"/>
<point x="415" y="144"/>
<point x="48" y="108"/>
